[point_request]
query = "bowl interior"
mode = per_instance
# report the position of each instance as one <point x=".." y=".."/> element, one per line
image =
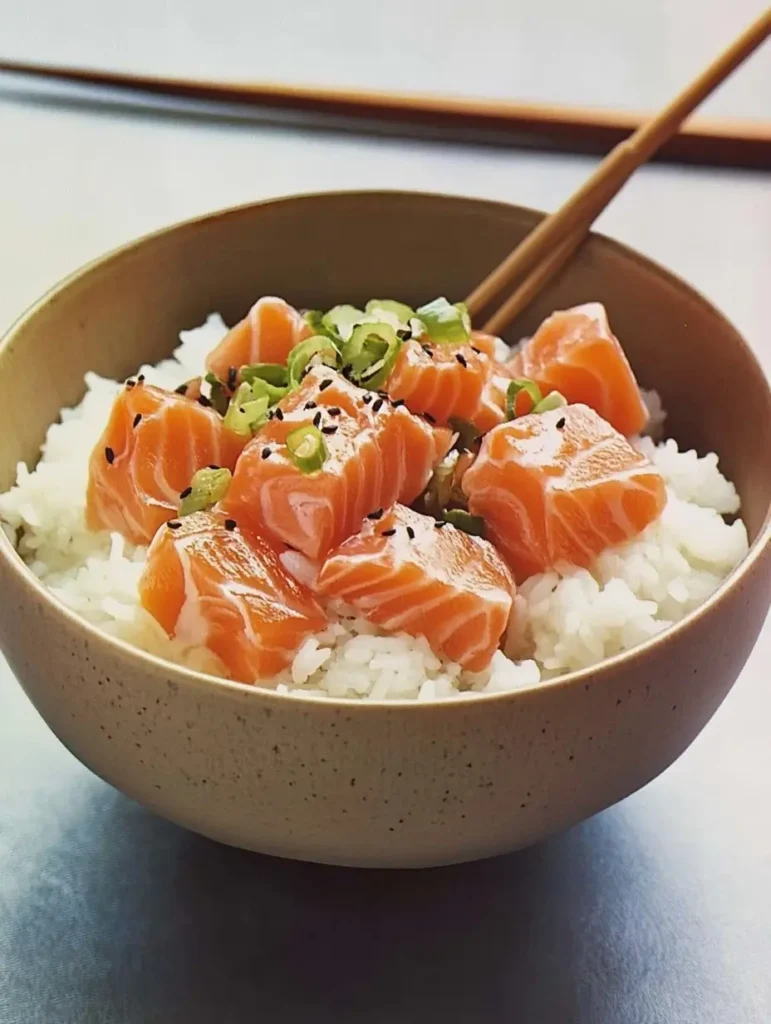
<point x="348" y="247"/>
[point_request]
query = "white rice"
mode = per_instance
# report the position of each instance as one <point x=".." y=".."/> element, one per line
<point x="562" y="620"/>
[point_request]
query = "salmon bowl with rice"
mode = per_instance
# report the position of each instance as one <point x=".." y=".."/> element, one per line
<point x="378" y="503"/>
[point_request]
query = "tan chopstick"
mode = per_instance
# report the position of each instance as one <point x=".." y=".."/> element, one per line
<point x="585" y="205"/>
<point x="732" y="143"/>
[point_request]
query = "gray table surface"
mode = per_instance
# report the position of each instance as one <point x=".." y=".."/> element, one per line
<point x="657" y="911"/>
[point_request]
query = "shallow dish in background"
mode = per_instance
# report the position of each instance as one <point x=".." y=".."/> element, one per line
<point x="377" y="784"/>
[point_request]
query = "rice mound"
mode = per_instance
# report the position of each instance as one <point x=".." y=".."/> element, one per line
<point x="562" y="620"/>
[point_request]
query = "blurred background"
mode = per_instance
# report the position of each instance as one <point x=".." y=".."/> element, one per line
<point x="656" y="912"/>
<point x="120" y="173"/>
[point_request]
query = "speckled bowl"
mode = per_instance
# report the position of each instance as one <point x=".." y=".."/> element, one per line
<point x="400" y="784"/>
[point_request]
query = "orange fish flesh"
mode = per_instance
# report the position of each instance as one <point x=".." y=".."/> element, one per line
<point x="561" y="486"/>
<point x="409" y="574"/>
<point x="211" y="583"/>
<point x="376" y="454"/>
<point x="450" y="381"/>
<point x="576" y="353"/>
<point x="267" y="334"/>
<point x="153" y="443"/>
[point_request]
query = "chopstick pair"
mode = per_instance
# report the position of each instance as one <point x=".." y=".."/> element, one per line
<point x="549" y="246"/>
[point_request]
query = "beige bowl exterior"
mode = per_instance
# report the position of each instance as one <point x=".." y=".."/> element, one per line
<point x="341" y="782"/>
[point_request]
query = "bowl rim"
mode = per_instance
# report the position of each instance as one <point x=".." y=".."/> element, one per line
<point x="760" y="547"/>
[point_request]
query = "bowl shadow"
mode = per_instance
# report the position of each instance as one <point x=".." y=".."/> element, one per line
<point x="159" y="924"/>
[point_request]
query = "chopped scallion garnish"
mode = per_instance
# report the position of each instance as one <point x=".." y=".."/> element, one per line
<point x="391" y="308"/>
<point x="246" y="413"/>
<point x="340" y="321"/>
<point x="463" y="520"/>
<point x="218" y="394"/>
<point x="467" y="433"/>
<point x="444" y="322"/>
<point x="272" y="373"/>
<point x="313" y="351"/>
<point x="371" y="352"/>
<point x="554" y="400"/>
<point x="207" y="487"/>
<point x="307" y="448"/>
<point x="514" y="388"/>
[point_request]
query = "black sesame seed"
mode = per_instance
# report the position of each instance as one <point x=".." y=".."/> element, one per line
<point x="174" y="524"/>
<point x="329" y="430"/>
<point x="378" y="405"/>
<point x="376" y="514"/>
<point x="265" y="453"/>
<point x="429" y="417"/>
<point x="232" y="377"/>
<point x="230" y="524"/>
<point x="475" y="349"/>
<point x="398" y="402"/>
<point x="181" y="390"/>
<point x="317" y="419"/>
<point x="367" y="398"/>
<point x="429" y="351"/>
<point x="186" y="492"/>
<point x="130" y="383"/>
<point x="334" y="410"/>
<point x="310" y="405"/>
<point x="213" y="467"/>
<point x="404" y="334"/>
<point x="461" y="359"/>
<point x="440" y="523"/>
<point x="325" y="384"/>
<point x="109" y="454"/>
<point x="141" y="378"/>
<point x="271" y="414"/>
<point x="384" y="395"/>
<point x="410" y="533"/>
<point x="388" y="533"/>
<point x="137" y="419"/>
<point x="204" y="401"/>
<point x="561" y="423"/>
<point x="279" y="414"/>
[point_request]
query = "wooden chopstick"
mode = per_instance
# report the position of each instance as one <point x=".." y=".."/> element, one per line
<point x="731" y="143"/>
<point x="585" y="205"/>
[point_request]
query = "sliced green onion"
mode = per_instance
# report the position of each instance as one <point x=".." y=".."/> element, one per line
<point x="218" y="395"/>
<point x="463" y="520"/>
<point x="467" y="433"/>
<point x="403" y="314"/>
<point x="260" y="388"/>
<point x="371" y="352"/>
<point x="318" y="349"/>
<point x="246" y="413"/>
<point x="514" y="388"/>
<point x="439" y="490"/>
<point x="207" y="487"/>
<point x="272" y="373"/>
<point x="314" y="318"/>
<point x="307" y="448"/>
<point x="340" y="321"/>
<point x="445" y="322"/>
<point x="554" y="400"/>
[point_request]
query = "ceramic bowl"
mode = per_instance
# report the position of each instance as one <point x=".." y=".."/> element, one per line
<point x="402" y="784"/>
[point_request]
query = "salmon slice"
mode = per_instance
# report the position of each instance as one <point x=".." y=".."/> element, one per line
<point x="211" y="583"/>
<point x="409" y="574"/>
<point x="152" y="445"/>
<point x="267" y="334"/>
<point x="575" y="352"/>
<point x="450" y="381"/>
<point x="377" y="454"/>
<point x="561" y="486"/>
